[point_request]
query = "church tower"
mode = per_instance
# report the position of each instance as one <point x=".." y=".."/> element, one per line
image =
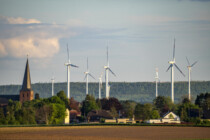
<point x="26" y="93"/>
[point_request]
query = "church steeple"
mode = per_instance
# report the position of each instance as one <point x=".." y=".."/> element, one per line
<point x="27" y="79"/>
<point x="26" y="92"/>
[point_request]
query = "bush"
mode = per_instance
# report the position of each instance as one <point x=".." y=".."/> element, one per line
<point x="102" y="120"/>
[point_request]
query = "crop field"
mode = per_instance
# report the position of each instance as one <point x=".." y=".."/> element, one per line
<point x="106" y="133"/>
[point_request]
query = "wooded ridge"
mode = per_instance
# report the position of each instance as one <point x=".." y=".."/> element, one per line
<point x="142" y="92"/>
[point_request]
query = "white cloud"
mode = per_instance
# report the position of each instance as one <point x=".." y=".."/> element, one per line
<point x="37" y="40"/>
<point x="35" y="47"/>
<point x="18" y="20"/>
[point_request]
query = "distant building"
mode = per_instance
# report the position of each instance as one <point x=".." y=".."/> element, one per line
<point x="169" y="117"/>
<point x="26" y="92"/>
<point x="96" y="115"/>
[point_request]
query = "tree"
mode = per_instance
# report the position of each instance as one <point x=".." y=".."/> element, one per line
<point x="203" y="101"/>
<point x="62" y="96"/>
<point x="155" y="114"/>
<point x="138" y="111"/>
<point x="145" y="112"/>
<point x="107" y="104"/>
<point x="128" y="108"/>
<point x="2" y="116"/>
<point x="74" y="104"/>
<point x="114" y="112"/>
<point x="89" y="104"/>
<point x="163" y="104"/>
<point x="186" y="109"/>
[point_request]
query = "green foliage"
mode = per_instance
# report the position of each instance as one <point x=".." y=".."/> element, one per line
<point x="114" y="112"/>
<point x="155" y="114"/>
<point x="48" y="111"/>
<point x="57" y="113"/>
<point x="203" y="101"/>
<point x="2" y="116"/>
<point x="146" y="112"/>
<point x="142" y="92"/>
<point x="184" y="111"/>
<point x="89" y="104"/>
<point x="128" y="108"/>
<point x="63" y="97"/>
<point x="163" y="104"/>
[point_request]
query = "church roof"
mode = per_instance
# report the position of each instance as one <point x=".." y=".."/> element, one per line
<point x="27" y="79"/>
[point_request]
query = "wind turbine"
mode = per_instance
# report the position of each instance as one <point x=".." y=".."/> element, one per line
<point x="172" y="64"/>
<point x="157" y="80"/>
<point x="189" y="74"/>
<point x="86" y="77"/>
<point x="53" y="80"/>
<point x="69" y="65"/>
<point x="107" y="69"/>
<point x="100" y="85"/>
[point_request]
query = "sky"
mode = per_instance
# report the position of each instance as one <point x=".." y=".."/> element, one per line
<point x="139" y="33"/>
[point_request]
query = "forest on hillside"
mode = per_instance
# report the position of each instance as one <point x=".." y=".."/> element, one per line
<point x="143" y="92"/>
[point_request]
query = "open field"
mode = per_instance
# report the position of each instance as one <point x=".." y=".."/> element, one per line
<point x="106" y="132"/>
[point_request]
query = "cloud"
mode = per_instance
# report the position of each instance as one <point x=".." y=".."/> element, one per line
<point x="35" y="47"/>
<point x="18" y="20"/>
<point x="19" y="37"/>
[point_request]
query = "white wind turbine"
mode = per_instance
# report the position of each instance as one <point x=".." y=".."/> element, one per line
<point x="86" y="77"/>
<point x="156" y="80"/>
<point x="53" y="80"/>
<point x="69" y="65"/>
<point x="189" y="74"/>
<point x="172" y="64"/>
<point x="107" y="69"/>
<point x="100" y="85"/>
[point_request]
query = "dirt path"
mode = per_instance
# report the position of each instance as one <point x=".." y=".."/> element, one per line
<point x="106" y="133"/>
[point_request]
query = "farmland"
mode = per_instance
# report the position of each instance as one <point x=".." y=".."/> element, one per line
<point x="105" y="132"/>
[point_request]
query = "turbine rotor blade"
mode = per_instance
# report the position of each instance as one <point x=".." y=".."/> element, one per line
<point x="179" y="70"/>
<point x="194" y="63"/>
<point x="87" y="63"/>
<point x="74" y="66"/>
<point x="107" y="56"/>
<point x="169" y="67"/>
<point x="68" y="52"/>
<point x="111" y="71"/>
<point x="91" y="76"/>
<point x="85" y="76"/>
<point x="174" y="49"/>
<point x="188" y="61"/>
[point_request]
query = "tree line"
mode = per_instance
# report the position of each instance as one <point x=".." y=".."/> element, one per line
<point x="52" y="110"/>
<point x="143" y="92"/>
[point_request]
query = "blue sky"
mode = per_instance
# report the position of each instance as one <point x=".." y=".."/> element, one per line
<point x="140" y="35"/>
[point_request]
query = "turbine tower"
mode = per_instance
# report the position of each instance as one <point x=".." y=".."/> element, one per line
<point x="157" y="80"/>
<point x="107" y="69"/>
<point x="189" y="74"/>
<point x="86" y="77"/>
<point x="100" y="85"/>
<point x="53" y="80"/>
<point x="172" y="64"/>
<point x="69" y="65"/>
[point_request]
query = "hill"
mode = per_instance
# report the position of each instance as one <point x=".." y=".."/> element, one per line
<point x="136" y="91"/>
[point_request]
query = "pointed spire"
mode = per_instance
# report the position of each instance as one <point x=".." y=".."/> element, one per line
<point x="27" y="79"/>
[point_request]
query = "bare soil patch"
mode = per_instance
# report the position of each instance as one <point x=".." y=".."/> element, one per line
<point x="106" y="133"/>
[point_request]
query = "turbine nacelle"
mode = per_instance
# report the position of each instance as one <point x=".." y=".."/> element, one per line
<point x="106" y="67"/>
<point x="171" y="62"/>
